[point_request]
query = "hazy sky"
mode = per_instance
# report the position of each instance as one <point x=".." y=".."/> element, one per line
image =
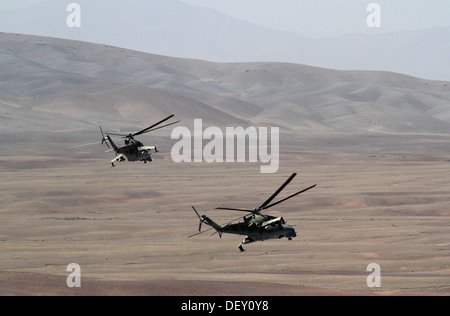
<point x="12" y="4"/>
<point x="321" y="18"/>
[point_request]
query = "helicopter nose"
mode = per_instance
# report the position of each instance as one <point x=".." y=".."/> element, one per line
<point x="291" y="231"/>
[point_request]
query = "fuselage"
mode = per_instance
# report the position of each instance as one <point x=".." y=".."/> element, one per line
<point x="261" y="227"/>
<point x="134" y="151"/>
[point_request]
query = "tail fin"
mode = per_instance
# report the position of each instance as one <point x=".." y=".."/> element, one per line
<point x="212" y="223"/>
<point x="107" y="138"/>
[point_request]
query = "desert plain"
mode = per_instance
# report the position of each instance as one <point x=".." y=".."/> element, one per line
<point x="381" y="200"/>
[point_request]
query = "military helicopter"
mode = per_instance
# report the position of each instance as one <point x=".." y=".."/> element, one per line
<point x="256" y="226"/>
<point x="133" y="150"/>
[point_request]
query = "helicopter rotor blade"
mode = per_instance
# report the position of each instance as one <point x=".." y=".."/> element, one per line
<point x="291" y="196"/>
<point x="119" y="134"/>
<point x="199" y="217"/>
<point x="90" y="144"/>
<point x="145" y="130"/>
<point x="228" y="223"/>
<point x="103" y="137"/>
<point x="263" y="206"/>
<point x="154" y="129"/>
<point x="196" y="234"/>
<point x="234" y="209"/>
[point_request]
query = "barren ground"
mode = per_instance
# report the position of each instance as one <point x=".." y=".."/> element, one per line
<point x="382" y="200"/>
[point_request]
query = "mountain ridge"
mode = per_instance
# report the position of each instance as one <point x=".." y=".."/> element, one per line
<point x="55" y="84"/>
<point x="174" y="28"/>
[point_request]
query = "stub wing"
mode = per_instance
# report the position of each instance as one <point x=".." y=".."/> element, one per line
<point x="275" y="221"/>
<point x="118" y="158"/>
<point x="142" y="148"/>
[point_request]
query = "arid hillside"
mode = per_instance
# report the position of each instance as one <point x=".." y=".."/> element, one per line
<point x="57" y="85"/>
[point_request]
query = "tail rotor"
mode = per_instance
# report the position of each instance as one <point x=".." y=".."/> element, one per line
<point x="104" y="139"/>
<point x="201" y="220"/>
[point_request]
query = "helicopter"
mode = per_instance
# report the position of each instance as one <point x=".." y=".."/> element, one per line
<point x="255" y="225"/>
<point x="133" y="149"/>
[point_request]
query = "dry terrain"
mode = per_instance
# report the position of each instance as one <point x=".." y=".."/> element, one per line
<point x="376" y="143"/>
<point x="378" y="200"/>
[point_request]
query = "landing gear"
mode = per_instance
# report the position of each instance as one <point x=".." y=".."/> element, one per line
<point x="247" y="240"/>
<point x="148" y="159"/>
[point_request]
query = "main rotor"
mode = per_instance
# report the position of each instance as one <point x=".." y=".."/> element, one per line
<point x="151" y="128"/>
<point x="267" y="204"/>
<point x="257" y="210"/>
